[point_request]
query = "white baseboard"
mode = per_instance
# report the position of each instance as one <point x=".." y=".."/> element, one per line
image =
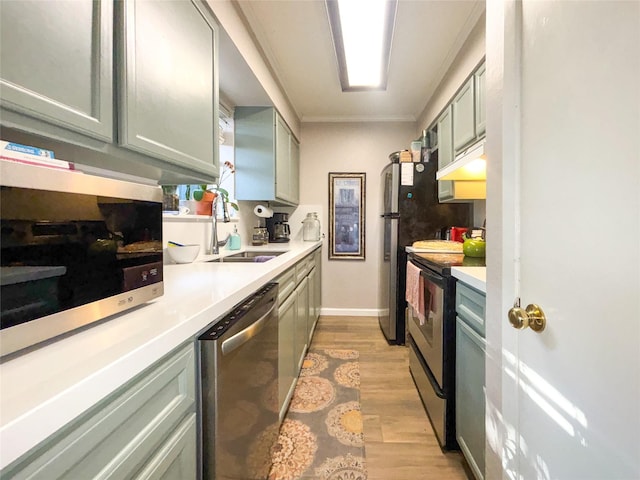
<point x="350" y="312"/>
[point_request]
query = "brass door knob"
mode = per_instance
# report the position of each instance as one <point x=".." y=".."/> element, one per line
<point x="532" y="317"/>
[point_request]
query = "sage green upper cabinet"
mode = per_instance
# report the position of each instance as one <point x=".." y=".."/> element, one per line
<point x="464" y="131"/>
<point x="479" y="79"/>
<point x="266" y="157"/>
<point x="169" y="82"/>
<point x="283" y="164"/>
<point x="57" y="63"/>
<point x="294" y="180"/>
<point x="445" y="152"/>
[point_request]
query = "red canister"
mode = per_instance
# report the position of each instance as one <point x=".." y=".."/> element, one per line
<point x="457" y="232"/>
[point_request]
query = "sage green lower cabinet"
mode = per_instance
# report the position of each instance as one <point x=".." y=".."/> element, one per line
<point x="470" y="377"/>
<point x="313" y="298"/>
<point x="146" y="429"/>
<point x="318" y="286"/>
<point x="302" y="316"/>
<point x="294" y="337"/>
<point x="177" y="459"/>
<point x="287" y="360"/>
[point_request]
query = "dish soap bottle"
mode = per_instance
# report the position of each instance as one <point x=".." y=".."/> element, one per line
<point x="234" y="239"/>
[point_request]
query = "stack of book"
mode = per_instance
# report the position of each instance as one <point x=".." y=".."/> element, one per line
<point x="15" y="152"/>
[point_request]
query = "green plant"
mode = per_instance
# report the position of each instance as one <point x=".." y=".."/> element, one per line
<point x="227" y="170"/>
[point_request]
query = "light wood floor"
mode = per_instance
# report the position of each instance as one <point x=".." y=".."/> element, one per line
<point x="399" y="441"/>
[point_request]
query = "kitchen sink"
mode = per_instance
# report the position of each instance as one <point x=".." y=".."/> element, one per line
<point x="250" y="256"/>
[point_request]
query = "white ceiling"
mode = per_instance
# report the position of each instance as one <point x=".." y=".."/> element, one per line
<point x="296" y="40"/>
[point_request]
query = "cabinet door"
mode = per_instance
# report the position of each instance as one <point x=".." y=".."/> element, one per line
<point x="311" y="317"/>
<point x="57" y="63"/>
<point x="470" y="396"/>
<point x="318" y="292"/>
<point x="119" y="436"/>
<point x="283" y="162"/>
<point x="445" y="152"/>
<point x="302" y="315"/>
<point x="287" y="361"/>
<point x="479" y="77"/>
<point x="169" y="83"/>
<point x="176" y="459"/>
<point x="294" y="151"/>
<point x="463" y="116"/>
<point x="254" y="150"/>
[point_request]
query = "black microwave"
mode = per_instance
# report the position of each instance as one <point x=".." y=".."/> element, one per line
<point x="74" y="249"/>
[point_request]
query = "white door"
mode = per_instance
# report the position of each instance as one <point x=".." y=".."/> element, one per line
<point x="563" y="221"/>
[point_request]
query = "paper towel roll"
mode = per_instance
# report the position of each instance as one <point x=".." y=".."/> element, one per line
<point x="263" y="212"/>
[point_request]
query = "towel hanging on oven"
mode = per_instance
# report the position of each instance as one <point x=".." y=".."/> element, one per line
<point x="415" y="291"/>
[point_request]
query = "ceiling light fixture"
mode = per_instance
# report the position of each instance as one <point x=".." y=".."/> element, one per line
<point x="362" y="31"/>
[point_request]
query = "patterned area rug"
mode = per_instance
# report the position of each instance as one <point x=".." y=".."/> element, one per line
<point x="321" y="436"/>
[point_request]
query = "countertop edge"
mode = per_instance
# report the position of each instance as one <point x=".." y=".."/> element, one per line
<point x="475" y="277"/>
<point x="26" y="429"/>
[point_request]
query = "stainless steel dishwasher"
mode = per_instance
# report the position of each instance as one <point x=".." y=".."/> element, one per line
<point x="239" y="389"/>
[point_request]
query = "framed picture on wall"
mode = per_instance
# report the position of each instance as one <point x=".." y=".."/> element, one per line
<point x="346" y="216"/>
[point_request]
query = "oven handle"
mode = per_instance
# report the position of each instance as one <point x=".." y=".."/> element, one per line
<point x="434" y="384"/>
<point x="430" y="276"/>
<point x="247" y="334"/>
<point x="432" y="380"/>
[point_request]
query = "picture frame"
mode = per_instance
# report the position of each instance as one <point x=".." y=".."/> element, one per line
<point x="347" y="216"/>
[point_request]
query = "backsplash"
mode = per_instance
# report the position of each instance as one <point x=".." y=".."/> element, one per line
<point x="189" y="229"/>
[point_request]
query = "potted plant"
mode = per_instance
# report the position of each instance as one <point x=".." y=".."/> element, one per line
<point x="205" y="196"/>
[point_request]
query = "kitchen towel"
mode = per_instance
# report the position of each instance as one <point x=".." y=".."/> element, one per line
<point x="415" y="291"/>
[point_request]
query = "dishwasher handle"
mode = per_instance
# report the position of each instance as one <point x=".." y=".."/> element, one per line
<point x="243" y="336"/>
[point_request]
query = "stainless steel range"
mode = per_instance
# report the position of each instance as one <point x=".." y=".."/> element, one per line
<point x="432" y="337"/>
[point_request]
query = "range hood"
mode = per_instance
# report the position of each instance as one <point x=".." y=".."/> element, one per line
<point x="470" y="165"/>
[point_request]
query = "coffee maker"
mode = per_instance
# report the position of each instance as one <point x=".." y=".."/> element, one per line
<point x="278" y="228"/>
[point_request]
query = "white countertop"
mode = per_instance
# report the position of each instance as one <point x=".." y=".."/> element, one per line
<point x="475" y="277"/>
<point x="45" y="389"/>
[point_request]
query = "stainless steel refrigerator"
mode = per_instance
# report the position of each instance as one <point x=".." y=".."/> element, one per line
<point x="409" y="211"/>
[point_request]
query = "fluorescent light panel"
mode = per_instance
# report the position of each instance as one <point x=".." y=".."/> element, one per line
<point x="362" y="31"/>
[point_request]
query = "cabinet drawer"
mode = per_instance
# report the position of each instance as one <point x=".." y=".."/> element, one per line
<point x="470" y="396"/>
<point x="286" y="284"/>
<point x="119" y="435"/>
<point x="471" y="305"/>
<point x="177" y="457"/>
<point x="303" y="267"/>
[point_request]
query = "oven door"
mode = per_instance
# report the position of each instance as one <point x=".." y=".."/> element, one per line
<point x="427" y="330"/>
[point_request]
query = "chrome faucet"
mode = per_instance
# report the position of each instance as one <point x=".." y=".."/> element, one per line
<point x="214" y="248"/>
<point x="215" y="245"/>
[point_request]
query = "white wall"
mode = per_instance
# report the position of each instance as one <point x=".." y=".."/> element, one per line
<point x="349" y="286"/>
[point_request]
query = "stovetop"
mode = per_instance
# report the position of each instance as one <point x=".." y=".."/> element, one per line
<point x="442" y="262"/>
